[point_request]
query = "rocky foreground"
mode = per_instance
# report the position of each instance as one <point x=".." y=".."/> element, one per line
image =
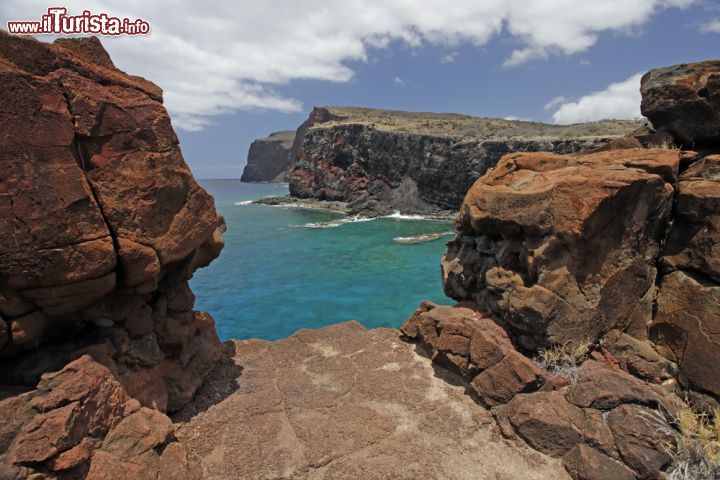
<point x="343" y="402"/>
<point x="586" y="326"/>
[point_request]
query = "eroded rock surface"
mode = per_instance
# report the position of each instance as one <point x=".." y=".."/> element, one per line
<point x="564" y="248"/>
<point x="103" y="224"/>
<point x="347" y="403"/>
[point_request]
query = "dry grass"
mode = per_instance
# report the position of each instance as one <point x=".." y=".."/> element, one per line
<point x="564" y="360"/>
<point x="451" y="124"/>
<point x="696" y="451"/>
<point x="695" y="448"/>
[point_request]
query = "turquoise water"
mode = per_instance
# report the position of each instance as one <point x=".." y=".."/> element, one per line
<point x="277" y="275"/>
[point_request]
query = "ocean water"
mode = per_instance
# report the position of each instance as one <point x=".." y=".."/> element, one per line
<point x="286" y="268"/>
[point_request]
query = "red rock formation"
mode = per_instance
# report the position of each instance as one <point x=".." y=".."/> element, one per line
<point x="564" y="247"/>
<point x="102" y="222"/>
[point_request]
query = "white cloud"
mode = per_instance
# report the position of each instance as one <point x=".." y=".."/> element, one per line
<point x="712" y="26"/>
<point x="618" y="101"/>
<point x="513" y="118"/>
<point x="399" y="81"/>
<point x="555" y="102"/>
<point x="228" y="55"/>
<point x="450" y="57"/>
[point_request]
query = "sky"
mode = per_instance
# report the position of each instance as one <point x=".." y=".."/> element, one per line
<point x="236" y="70"/>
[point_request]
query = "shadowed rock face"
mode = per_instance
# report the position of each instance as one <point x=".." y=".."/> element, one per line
<point x="102" y="222"/>
<point x="269" y="158"/>
<point x="685" y="101"/>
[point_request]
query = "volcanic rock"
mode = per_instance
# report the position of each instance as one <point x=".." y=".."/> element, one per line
<point x="685" y="101"/>
<point x="385" y="160"/>
<point x="476" y="348"/>
<point x="102" y="221"/>
<point x="563" y="248"/>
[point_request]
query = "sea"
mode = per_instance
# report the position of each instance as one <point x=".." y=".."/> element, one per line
<point x="285" y="268"/>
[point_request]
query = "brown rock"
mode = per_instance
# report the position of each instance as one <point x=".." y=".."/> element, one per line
<point x="585" y="463"/>
<point x="694" y="240"/>
<point x="552" y="425"/>
<point x="138" y="433"/>
<point x="563" y="248"/>
<point x="512" y="375"/>
<point x="605" y="389"/>
<point x="685" y="101"/>
<point x="687" y="315"/>
<point x="81" y="400"/>
<point x="15" y="412"/>
<point x="640" y="435"/>
<point x="100" y="217"/>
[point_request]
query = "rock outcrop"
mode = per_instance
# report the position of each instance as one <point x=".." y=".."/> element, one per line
<point x="616" y="249"/>
<point x="564" y="248"/>
<point x="103" y="225"/>
<point x="684" y="100"/>
<point x="270" y="158"/>
<point x="419" y="162"/>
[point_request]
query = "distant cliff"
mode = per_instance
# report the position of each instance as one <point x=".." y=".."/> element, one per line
<point x="269" y="158"/>
<point x="382" y="160"/>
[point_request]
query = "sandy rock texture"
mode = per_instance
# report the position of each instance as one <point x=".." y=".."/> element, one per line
<point x="347" y="403"/>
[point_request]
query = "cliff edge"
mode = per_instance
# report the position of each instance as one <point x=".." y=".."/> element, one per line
<point x="270" y="158"/>
<point x="381" y="161"/>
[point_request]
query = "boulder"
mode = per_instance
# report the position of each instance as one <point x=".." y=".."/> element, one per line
<point x="563" y="248"/>
<point x="477" y="348"/>
<point x="694" y="241"/>
<point x="687" y="317"/>
<point x="641" y="436"/>
<point x="552" y="425"/>
<point x="685" y="101"/>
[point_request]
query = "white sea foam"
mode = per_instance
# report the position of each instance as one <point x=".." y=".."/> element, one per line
<point x="401" y="216"/>
<point x="334" y="223"/>
<point x="425" y="237"/>
<point x="244" y="202"/>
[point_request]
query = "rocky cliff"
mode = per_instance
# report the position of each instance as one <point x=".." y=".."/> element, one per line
<point x="602" y="266"/>
<point x="419" y="162"/>
<point x="103" y="224"/>
<point x="270" y="158"/>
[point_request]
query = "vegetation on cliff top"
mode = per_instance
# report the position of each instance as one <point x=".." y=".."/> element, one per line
<point x="453" y="124"/>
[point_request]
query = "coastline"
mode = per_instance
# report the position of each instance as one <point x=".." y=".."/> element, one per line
<point x="356" y="209"/>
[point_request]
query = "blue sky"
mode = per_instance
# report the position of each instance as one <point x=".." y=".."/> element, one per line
<point x="234" y="71"/>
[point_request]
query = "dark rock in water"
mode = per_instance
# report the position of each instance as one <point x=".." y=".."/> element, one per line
<point x="269" y="158"/>
<point x="103" y="224"/>
<point x="685" y="101"/>
<point x="419" y="162"/>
